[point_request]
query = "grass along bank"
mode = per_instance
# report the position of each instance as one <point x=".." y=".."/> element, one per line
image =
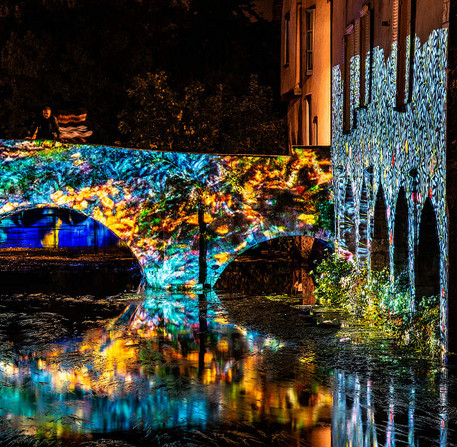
<point x="376" y="303"/>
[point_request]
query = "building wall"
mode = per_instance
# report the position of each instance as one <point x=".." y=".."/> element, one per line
<point x="389" y="151"/>
<point x="451" y="171"/>
<point x="298" y="85"/>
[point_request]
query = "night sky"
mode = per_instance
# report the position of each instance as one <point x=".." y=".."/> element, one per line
<point x="106" y="57"/>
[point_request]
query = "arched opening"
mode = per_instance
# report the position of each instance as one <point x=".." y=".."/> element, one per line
<point x="54" y="249"/>
<point x="363" y="223"/>
<point x="401" y="252"/>
<point x="55" y="228"/>
<point x="428" y="255"/>
<point x="380" y="241"/>
<point x="277" y="266"/>
<point x="348" y="235"/>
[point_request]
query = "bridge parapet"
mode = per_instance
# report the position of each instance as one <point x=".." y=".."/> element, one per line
<point x="176" y="211"/>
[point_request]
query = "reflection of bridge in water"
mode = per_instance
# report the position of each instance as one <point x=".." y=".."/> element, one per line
<point x="184" y="216"/>
<point x="178" y="361"/>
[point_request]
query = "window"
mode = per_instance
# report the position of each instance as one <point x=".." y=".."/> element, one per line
<point x="348" y="53"/>
<point x="309" y="40"/>
<point x="308" y="120"/>
<point x="298" y="63"/>
<point x="404" y="32"/>
<point x="365" y="56"/>
<point x="315" y="131"/>
<point x="286" y="39"/>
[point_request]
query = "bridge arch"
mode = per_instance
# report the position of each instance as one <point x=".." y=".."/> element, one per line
<point x="29" y="215"/>
<point x="300" y="254"/>
<point x="380" y="239"/>
<point x="156" y="201"/>
<point x="364" y="208"/>
<point x="401" y="237"/>
<point x="348" y="228"/>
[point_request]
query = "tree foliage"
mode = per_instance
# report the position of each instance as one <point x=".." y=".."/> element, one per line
<point x="199" y="119"/>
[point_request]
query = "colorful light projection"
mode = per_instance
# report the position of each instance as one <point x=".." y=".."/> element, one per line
<point x="54" y="228"/>
<point x="152" y="200"/>
<point x="387" y="148"/>
<point x="154" y="367"/>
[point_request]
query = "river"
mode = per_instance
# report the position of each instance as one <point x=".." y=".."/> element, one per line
<point x="148" y="368"/>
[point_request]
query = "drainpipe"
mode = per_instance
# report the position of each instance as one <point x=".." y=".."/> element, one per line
<point x="336" y="194"/>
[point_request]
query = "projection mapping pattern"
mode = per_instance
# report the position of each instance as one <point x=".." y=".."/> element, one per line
<point x="387" y="147"/>
<point x="151" y="200"/>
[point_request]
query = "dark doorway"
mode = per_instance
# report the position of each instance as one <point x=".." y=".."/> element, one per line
<point x="401" y="252"/>
<point x="380" y="241"/>
<point x="428" y="255"/>
<point x="363" y="223"/>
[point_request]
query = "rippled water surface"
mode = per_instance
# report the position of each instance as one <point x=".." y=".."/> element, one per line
<point x="208" y="369"/>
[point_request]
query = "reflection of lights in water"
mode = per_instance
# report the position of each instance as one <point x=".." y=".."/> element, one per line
<point x="444" y="405"/>
<point x="353" y="418"/>
<point x="152" y="367"/>
<point x="412" y="404"/>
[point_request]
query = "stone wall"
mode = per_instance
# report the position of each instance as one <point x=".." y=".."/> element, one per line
<point x="390" y="153"/>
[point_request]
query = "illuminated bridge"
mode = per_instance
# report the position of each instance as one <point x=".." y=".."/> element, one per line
<point x="184" y="216"/>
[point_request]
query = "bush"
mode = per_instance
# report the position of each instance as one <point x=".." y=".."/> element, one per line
<point x="331" y="276"/>
<point x="370" y="296"/>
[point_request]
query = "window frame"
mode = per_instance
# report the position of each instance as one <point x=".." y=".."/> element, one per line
<point x="286" y="40"/>
<point x="404" y="16"/>
<point x="310" y="18"/>
<point x="298" y="46"/>
<point x="366" y="46"/>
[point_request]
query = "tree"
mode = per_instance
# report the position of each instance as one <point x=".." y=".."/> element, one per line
<point x="201" y="119"/>
<point x="84" y="53"/>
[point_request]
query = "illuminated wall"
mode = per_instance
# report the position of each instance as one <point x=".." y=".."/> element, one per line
<point x="395" y="150"/>
<point x="54" y="228"/>
<point x="305" y="76"/>
<point x="151" y="200"/>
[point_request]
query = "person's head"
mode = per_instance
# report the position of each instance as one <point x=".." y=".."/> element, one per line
<point x="47" y="112"/>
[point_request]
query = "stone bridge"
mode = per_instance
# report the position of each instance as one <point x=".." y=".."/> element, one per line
<point x="184" y="216"/>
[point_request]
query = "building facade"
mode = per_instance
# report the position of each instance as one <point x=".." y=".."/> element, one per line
<point x="305" y="71"/>
<point x="391" y="153"/>
<point x="389" y="91"/>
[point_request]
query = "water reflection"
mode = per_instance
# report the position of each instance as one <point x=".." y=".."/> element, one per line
<point x="354" y="411"/>
<point x="168" y="361"/>
<point x="177" y="361"/>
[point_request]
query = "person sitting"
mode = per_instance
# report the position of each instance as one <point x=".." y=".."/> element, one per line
<point x="45" y="127"/>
